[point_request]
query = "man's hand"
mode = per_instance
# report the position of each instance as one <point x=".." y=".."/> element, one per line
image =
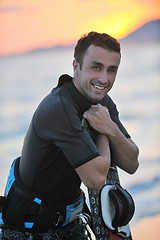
<point x="99" y="119"/>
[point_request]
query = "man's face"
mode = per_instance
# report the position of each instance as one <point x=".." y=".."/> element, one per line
<point x="97" y="74"/>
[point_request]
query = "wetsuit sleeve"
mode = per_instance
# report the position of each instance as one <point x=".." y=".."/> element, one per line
<point x="108" y="102"/>
<point x="59" y="123"/>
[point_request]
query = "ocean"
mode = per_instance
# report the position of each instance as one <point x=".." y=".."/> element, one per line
<point x="26" y="79"/>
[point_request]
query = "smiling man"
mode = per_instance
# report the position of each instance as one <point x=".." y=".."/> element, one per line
<point x="59" y="153"/>
<point x="95" y="76"/>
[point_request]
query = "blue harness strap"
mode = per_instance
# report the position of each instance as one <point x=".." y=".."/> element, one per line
<point x="23" y="209"/>
<point x="1" y="220"/>
<point x="73" y="210"/>
<point x="11" y="179"/>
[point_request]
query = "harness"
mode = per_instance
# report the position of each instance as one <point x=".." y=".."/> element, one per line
<point x="23" y="209"/>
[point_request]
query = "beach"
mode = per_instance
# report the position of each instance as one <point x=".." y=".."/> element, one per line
<point x="147" y="229"/>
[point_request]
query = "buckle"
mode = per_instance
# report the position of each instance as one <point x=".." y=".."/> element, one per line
<point x="59" y="219"/>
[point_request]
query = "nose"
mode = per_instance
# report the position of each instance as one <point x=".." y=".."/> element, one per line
<point x="103" y="77"/>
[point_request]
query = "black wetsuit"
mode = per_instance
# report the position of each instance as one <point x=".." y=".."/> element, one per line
<point x="57" y="143"/>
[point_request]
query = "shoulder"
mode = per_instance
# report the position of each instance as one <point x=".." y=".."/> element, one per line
<point x="57" y="111"/>
<point x="110" y="104"/>
<point x="56" y="103"/>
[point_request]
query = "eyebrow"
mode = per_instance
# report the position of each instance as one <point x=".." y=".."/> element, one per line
<point x="97" y="63"/>
<point x="102" y="65"/>
<point x="113" y="66"/>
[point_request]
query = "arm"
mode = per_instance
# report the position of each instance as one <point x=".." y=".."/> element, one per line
<point x="124" y="150"/>
<point x="94" y="172"/>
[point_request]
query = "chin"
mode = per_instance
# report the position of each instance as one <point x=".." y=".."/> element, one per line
<point x="96" y="100"/>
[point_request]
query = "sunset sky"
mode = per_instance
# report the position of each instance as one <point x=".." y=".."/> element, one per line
<point x="28" y="24"/>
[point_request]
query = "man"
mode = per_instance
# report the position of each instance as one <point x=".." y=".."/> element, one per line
<point x="43" y="199"/>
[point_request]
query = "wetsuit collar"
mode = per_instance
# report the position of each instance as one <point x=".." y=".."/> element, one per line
<point x="79" y="98"/>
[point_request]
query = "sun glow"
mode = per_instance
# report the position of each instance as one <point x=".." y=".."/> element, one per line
<point x="116" y="28"/>
<point x="29" y="24"/>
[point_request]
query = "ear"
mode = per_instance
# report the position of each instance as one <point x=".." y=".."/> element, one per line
<point x="75" y="65"/>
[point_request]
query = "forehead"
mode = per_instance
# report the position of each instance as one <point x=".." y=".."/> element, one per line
<point x="101" y="55"/>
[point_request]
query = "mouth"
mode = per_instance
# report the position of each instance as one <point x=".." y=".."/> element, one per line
<point x="98" y="87"/>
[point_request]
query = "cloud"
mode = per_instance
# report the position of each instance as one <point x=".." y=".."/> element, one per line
<point x="13" y="8"/>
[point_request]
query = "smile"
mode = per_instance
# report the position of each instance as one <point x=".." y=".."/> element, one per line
<point x="98" y="87"/>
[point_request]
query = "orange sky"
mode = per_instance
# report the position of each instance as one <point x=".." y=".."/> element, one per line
<point x="26" y="24"/>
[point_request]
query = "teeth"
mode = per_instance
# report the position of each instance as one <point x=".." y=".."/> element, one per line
<point x="99" y="87"/>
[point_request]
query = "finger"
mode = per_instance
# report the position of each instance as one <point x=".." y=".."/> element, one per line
<point x="84" y="114"/>
<point x="87" y="113"/>
<point x="96" y="105"/>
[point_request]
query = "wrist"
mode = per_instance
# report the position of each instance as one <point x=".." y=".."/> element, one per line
<point x="111" y="131"/>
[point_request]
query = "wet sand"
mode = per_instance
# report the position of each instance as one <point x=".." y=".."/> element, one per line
<point x="147" y="229"/>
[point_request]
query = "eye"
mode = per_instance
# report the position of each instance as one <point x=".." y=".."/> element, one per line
<point x="112" y="70"/>
<point x="97" y="67"/>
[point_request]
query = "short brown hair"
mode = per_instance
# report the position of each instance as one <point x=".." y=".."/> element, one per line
<point x="97" y="39"/>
